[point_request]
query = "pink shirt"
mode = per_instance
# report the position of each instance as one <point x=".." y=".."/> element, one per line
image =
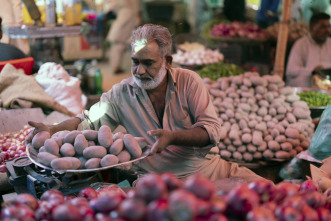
<point x="188" y="105"/>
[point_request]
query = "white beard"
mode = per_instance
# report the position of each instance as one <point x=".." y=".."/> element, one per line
<point x="149" y="83"/>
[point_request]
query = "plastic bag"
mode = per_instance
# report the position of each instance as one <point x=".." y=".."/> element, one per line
<point x="62" y="87"/>
<point x="320" y="145"/>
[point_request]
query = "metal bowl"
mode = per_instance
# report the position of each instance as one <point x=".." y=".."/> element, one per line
<point x="315" y="112"/>
<point x="32" y="154"/>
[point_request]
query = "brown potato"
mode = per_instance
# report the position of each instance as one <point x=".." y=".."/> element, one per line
<point x="52" y="147"/>
<point x="132" y="146"/>
<point x="123" y="156"/>
<point x="62" y="164"/>
<point x="46" y="158"/>
<point x="76" y="163"/>
<point x="39" y="139"/>
<point x="92" y="163"/>
<point x="105" y="136"/>
<point x="94" y="152"/>
<point x="70" y="137"/>
<point x="80" y="144"/>
<point x="116" y="147"/>
<point x="67" y="150"/>
<point x="109" y="160"/>
<point x="90" y="135"/>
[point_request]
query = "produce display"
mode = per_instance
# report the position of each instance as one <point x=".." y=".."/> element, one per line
<point x="191" y="46"/>
<point x="218" y="70"/>
<point x="87" y="149"/>
<point x="237" y="29"/>
<point x="164" y="197"/>
<point x="261" y="118"/>
<point x="295" y="30"/>
<point x="315" y="98"/>
<point x="12" y="146"/>
<point x="197" y="57"/>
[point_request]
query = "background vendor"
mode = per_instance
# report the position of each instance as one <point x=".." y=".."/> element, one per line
<point x="169" y="107"/>
<point x="310" y="53"/>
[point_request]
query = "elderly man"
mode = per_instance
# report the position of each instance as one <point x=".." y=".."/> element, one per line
<point x="310" y="53"/>
<point x="169" y="107"/>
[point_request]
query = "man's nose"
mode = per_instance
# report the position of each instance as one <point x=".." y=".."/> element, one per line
<point x="140" y="69"/>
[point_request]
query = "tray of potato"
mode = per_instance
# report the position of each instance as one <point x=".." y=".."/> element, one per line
<point x="86" y="151"/>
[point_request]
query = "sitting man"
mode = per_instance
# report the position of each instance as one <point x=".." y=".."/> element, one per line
<point x="310" y="53"/>
<point x="169" y="107"/>
<point x="10" y="52"/>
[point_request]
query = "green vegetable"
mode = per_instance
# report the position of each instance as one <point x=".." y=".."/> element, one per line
<point x="218" y="70"/>
<point x="315" y="98"/>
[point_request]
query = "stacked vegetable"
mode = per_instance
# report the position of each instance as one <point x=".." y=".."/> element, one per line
<point x="164" y="197"/>
<point x="295" y="30"/>
<point x="191" y="46"/>
<point x="237" y="29"/>
<point x="12" y="146"/>
<point x="197" y="57"/>
<point x="218" y="70"/>
<point x="261" y="119"/>
<point x="87" y="149"/>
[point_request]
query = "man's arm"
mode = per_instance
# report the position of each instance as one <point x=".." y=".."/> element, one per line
<point x="70" y="124"/>
<point x="197" y="136"/>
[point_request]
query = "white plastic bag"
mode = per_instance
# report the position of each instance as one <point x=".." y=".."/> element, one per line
<point x="62" y="87"/>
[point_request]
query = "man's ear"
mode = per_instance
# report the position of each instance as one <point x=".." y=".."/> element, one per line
<point x="168" y="61"/>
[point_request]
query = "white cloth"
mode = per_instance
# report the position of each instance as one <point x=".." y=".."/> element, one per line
<point x="304" y="57"/>
<point x="63" y="88"/>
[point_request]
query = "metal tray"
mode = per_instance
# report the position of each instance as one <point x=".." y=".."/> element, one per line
<point x="32" y="154"/>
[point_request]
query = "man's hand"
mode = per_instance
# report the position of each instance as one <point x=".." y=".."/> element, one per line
<point x="164" y="139"/>
<point x="38" y="127"/>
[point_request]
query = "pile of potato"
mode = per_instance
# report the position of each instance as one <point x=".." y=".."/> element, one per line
<point x="198" y="57"/>
<point x="87" y="149"/>
<point x="261" y="118"/>
<point x="295" y="30"/>
<point x="191" y="46"/>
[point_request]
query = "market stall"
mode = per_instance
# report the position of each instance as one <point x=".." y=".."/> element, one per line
<point x="91" y="174"/>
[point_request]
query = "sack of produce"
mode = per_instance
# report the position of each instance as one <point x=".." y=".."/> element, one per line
<point x="320" y="145"/>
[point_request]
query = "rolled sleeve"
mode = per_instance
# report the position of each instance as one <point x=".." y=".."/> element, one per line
<point x="204" y="114"/>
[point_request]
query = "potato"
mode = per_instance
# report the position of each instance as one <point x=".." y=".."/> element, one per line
<point x="70" y="137"/>
<point x="294" y="142"/>
<point x="46" y="158"/>
<point x="60" y="134"/>
<point x="109" y="160"/>
<point x="42" y="149"/>
<point x="257" y="138"/>
<point x="92" y="163"/>
<point x="225" y="154"/>
<point x="257" y="155"/>
<point x="292" y="133"/>
<point x="90" y="135"/>
<point x="231" y="148"/>
<point x="237" y="143"/>
<point x="94" y="152"/>
<point x="221" y="146"/>
<point x="246" y="138"/>
<point x="238" y="156"/>
<point x="76" y="163"/>
<point x="280" y="139"/>
<point x="286" y="146"/>
<point x="62" y="164"/>
<point x="263" y="146"/>
<point x="273" y="145"/>
<point x="132" y="146"/>
<point x="268" y="154"/>
<point x="123" y="156"/>
<point x="67" y="150"/>
<point x="248" y="157"/>
<point x="52" y="147"/>
<point x="242" y="149"/>
<point x="251" y="148"/>
<point x="116" y="147"/>
<point x="80" y="144"/>
<point x="39" y="139"/>
<point x="282" y="155"/>
<point x="105" y="136"/>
